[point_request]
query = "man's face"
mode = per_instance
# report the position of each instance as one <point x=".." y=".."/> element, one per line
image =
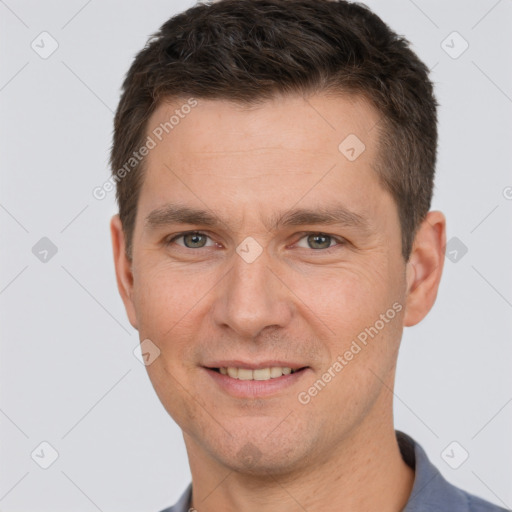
<point x="253" y="292"/>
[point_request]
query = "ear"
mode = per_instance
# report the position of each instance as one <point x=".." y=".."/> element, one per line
<point x="425" y="267"/>
<point x="123" y="268"/>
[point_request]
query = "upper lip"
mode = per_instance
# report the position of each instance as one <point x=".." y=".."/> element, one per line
<point x="254" y="366"/>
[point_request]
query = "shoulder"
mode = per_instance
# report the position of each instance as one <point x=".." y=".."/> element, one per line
<point x="431" y="492"/>
<point x="476" y="504"/>
<point x="183" y="504"/>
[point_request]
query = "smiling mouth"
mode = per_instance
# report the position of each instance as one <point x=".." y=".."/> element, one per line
<point x="273" y="372"/>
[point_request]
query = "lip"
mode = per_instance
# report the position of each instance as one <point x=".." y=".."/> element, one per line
<point x="253" y="365"/>
<point x="256" y="388"/>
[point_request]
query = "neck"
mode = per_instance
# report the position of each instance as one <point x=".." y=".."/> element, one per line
<point x="365" y="472"/>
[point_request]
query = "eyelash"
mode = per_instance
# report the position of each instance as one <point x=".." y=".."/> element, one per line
<point x="340" y="240"/>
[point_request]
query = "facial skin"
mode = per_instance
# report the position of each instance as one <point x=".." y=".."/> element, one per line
<point x="302" y="300"/>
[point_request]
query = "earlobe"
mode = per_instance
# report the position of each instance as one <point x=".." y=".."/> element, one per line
<point x="425" y="267"/>
<point x="123" y="268"/>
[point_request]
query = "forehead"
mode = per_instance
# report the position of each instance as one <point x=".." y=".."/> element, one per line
<point x="223" y="156"/>
<point x="318" y="124"/>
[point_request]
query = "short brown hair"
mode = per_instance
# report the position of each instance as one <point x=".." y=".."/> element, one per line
<point x="248" y="51"/>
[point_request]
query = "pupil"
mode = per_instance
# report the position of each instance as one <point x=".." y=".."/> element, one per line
<point x="195" y="239"/>
<point x="321" y="239"/>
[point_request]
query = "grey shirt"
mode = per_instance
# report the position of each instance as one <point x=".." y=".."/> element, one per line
<point x="430" y="492"/>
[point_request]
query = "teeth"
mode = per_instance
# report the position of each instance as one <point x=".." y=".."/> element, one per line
<point x="259" y="374"/>
<point x="244" y="374"/>
<point x="275" y="372"/>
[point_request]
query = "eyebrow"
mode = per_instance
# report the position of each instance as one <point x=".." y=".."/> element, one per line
<point x="329" y="215"/>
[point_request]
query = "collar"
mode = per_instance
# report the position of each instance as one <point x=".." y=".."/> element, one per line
<point x="430" y="492"/>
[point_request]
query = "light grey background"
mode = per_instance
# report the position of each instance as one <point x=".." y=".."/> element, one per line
<point x="68" y="373"/>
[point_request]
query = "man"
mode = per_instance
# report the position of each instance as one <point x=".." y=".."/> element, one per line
<point x="274" y="162"/>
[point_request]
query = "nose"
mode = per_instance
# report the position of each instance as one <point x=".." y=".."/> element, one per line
<point x="251" y="298"/>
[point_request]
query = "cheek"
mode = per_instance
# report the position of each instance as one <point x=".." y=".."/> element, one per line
<point x="166" y="298"/>
<point x="172" y="309"/>
<point x="361" y="313"/>
<point x="168" y="302"/>
<point x="360" y="310"/>
<point x="348" y="298"/>
<point x="156" y="304"/>
<point x="174" y="392"/>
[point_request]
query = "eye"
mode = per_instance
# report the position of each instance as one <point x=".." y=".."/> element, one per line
<point x="318" y="241"/>
<point x="199" y="240"/>
<point x="191" y="240"/>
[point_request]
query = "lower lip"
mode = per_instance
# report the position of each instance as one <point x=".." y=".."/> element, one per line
<point x="255" y="388"/>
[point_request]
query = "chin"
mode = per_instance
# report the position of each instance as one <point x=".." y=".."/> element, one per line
<point x="265" y="452"/>
<point x="249" y="460"/>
